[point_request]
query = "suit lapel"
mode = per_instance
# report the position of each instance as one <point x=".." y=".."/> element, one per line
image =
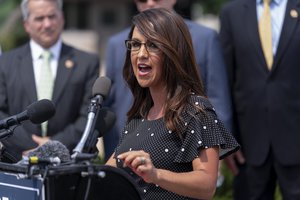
<point x="65" y="69"/>
<point x="252" y="28"/>
<point x="25" y="66"/>
<point x="288" y="29"/>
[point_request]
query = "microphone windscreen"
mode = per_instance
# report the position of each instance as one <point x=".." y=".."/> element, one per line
<point x="101" y="86"/>
<point x="40" y="111"/>
<point x="52" y="149"/>
<point x="106" y="119"/>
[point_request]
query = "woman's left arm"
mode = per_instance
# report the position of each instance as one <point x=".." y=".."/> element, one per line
<point x="199" y="183"/>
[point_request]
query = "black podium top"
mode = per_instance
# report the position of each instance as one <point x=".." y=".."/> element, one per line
<point x="82" y="181"/>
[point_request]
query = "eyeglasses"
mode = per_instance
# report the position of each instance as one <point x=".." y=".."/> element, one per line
<point x="145" y="1"/>
<point x="134" y="45"/>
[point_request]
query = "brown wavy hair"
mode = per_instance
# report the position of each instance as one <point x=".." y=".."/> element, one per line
<point x="168" y="31"/>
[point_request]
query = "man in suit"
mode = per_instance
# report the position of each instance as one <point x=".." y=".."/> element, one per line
<point x="209" y="59"/>
<point x="265" y="88"/>
<point x="73" y="71"/>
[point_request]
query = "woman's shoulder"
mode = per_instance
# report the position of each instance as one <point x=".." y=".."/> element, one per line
<point x="200" y="101"/>
<point x="196" y="107"/>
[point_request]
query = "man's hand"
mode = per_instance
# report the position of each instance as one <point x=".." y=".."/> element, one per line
<point x="231" y="160"/>
<point x="39" y="140"/>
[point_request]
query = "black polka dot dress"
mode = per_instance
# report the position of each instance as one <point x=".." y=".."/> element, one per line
<point x="168" y="151"/>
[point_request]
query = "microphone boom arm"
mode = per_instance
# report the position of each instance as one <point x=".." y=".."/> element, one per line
<point x="89" y="128"/>
<point x="6" y="133"/>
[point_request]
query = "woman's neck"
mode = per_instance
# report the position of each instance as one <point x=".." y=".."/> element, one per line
<point x="156" y="112"/>
<point x="159" y="98"/>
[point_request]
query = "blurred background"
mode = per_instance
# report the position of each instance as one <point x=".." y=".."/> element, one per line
<point x="94" y="21"/>
<point x="89" y="24"/>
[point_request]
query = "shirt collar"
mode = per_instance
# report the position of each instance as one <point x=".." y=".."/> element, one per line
<point x="37" y="50"/>
<point x="277" y="2"/>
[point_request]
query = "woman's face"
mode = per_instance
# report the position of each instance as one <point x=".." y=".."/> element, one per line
<point x="147" y="62"/>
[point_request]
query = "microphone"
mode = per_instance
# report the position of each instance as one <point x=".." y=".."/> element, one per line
<point x="51" y="149"/>
<point x="100" y="91"/>
<point x="104" y="123"/>
<point x="34" y="160"/>
<point x="36" y="112"/>
<point x="52" y="152"/>
<point x="101" y="88"/>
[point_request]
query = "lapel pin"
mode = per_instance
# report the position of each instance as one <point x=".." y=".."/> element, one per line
<point x="69" y="64"/>
<point x="294" y="13"/>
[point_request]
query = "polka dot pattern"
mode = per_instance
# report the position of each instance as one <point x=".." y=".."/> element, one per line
<point x="200" y="130"/>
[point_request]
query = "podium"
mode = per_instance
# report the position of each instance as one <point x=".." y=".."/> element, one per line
<point x="67" y="182"/>
<point x="14" y="186"/>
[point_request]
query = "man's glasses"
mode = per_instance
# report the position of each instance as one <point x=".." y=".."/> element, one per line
<point x="134" y="45"/>
<point x="145" y="1"/>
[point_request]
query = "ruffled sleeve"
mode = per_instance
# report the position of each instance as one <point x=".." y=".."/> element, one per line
<point x="202" y="129"/>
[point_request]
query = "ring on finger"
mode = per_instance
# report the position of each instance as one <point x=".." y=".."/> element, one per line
<point x="142" y="160"/>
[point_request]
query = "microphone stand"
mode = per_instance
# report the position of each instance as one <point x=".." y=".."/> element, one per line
<point x="89" y="128"/>
<point x="7" y="133"/>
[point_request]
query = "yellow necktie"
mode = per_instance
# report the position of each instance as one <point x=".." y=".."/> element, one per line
<point x="265" y="33"/>
<point x="46" y="82"/>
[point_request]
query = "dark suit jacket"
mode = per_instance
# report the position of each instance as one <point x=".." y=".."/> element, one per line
<point x="71" y="95"/>
<point x="266" y="103"/>
<point x="211" y="66"/>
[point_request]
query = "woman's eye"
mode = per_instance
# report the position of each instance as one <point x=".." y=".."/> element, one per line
<point x="136" y="44"/>
<point x="152" y="46"/>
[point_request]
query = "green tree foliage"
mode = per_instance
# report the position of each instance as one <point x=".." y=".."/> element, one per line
<point x="212" y="6"/>
<point x="11" y="29"/>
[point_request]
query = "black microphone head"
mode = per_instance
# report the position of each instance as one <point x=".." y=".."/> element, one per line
<point x="52" y="149"/>
<point x="106" y="119"/>
<point x="40" y="111"/>
<point x="101" y="86"/>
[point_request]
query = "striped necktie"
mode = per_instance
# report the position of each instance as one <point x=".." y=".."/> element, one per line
<point x="46" y="82"/>
<point x="265" y="33"/>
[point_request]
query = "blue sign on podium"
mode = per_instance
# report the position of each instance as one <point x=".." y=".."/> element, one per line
<point x="17" y="187"/>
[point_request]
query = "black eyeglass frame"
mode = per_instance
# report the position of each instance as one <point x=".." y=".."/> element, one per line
<point x="144" y="1"/>
<point x="153" y="49"/>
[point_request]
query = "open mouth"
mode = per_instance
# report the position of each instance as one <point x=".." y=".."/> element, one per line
<point x="144" y="69"/>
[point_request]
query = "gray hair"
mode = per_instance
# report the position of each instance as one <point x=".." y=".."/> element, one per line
<point x="25" y="11"/>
